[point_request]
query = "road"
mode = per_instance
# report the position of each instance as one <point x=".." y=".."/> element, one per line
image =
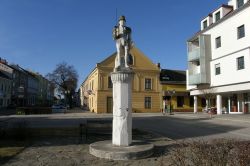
<point x="182" y="126"/>
<point x="176" y="127"/>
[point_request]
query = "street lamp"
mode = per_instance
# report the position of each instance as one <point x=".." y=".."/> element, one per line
<point x="171" y="93"/>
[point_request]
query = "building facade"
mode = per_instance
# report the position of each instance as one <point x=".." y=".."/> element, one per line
<point x="32" y="89"/>
<point x="5" y="90"/>
<point x="174" y="92"/>
<point x="19" y="86"/>
<point x="27" y="88"/>
<point x="41" y="89"/>
<point x="5" y="83"/>
<point x="96" y="90"/>
<point x="219" y="59"/>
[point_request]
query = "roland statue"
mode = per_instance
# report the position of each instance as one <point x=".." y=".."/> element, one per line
<point x="122" y="36"/>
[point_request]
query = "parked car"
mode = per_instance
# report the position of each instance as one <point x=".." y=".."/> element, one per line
<point x="58" y="108"/>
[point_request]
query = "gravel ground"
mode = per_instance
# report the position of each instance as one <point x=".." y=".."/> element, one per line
<point x="66" y="151"/>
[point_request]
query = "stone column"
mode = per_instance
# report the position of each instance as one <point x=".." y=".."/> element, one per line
<point x="122" y="107"/>
<point x="219" y="104"/>
<point x="229" y="104"/>
<point x="239" y="103"/>
<point x="207" y="102"/>
<point x="195" y="104"/>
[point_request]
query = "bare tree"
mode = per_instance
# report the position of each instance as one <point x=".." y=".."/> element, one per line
<point x="208" y="94"/>
<point x="65" y="79"/>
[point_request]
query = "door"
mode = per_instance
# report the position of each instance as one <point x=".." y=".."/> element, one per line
<point x="109" y="104"/>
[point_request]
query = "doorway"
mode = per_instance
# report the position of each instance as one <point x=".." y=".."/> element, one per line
<point x="109" y="104"/>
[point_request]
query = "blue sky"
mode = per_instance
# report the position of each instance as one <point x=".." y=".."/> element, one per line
<point x="38" y="34"/>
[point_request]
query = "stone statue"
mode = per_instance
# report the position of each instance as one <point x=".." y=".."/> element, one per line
<point x="122" y="147"/>
<point x="122" y="36"/>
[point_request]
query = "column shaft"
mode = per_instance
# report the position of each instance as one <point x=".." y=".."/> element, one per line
<point x="195" y="104"/>
<point x="219" y="104"/>
<point x="122" y="108"/>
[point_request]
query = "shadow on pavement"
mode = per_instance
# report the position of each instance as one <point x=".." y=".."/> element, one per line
<point x="152" y="129"/>
<point x="182" y="128"/>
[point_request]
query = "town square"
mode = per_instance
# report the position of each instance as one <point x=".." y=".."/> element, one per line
<point x="124" y="83"/>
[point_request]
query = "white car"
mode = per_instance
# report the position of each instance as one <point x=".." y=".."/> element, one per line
<point x="58" y="108"/>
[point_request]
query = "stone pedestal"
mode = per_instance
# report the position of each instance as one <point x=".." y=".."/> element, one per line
<point x="122" y="107"/>
<point x="121" y="147"/>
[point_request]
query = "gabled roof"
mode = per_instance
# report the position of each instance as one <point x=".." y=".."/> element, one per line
<point x="141" y="60"/>
<point x="18" y="68"/>
<point x="112" y="56"/>
<point x="173" y="76"/>
<point x="229" y="15"/>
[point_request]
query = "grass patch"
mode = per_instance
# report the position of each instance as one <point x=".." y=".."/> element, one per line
<point x="7" y="152"/>
<point x="10" y="148"/>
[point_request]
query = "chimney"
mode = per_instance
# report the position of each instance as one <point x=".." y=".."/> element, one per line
<point x="3" y="61"/>
<point x="159" y="65"/>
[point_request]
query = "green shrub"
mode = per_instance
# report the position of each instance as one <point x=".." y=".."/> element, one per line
<point x="33" y="110"/>
<point x="216" y="153"/>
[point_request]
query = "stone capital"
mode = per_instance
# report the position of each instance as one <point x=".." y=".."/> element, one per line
<point x="122" y="76"/>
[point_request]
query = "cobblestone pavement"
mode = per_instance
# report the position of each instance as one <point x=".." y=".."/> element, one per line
<point x="68" y="151"/>
<point x="165" y="131"/>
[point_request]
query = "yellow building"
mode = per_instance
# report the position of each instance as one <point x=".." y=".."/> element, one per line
<point x="174" y="92"/>
<point x="96" y="90"/>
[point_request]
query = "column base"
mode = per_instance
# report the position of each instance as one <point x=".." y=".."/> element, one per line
<point x="106" y="150"/>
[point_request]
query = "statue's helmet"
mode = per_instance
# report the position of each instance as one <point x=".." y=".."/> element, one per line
<point x="122" y="18"/>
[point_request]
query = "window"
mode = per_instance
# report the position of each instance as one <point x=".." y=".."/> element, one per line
<point x="204" y="24"/>
<point x="148" y="84"/>
<point x="217" y="69"/>
<point x="240" y="3"/>
<point x="240" y="63"/>
<point x="110" y="84"/>
<point x="241" y="31"/>
<point x="217" y="16"/>
<point x="191" y="101"/>
<point x="218" y="42"/>
<point x="147" y="102"/>
<point x="180" y="101"/>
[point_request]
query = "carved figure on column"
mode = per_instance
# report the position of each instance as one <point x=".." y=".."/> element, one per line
<point x="122" y="147"/>
<point x="122" y="36"/>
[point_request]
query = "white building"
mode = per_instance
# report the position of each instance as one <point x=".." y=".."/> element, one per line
<point x="219" y="58"/>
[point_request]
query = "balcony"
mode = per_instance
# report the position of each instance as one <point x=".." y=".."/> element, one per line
<point x="194" y="55"/>
<point x="197" y="79"/>
<point x="199" y="57"/>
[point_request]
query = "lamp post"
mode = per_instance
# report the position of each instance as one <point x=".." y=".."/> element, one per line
<point x="171" y="93"/>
